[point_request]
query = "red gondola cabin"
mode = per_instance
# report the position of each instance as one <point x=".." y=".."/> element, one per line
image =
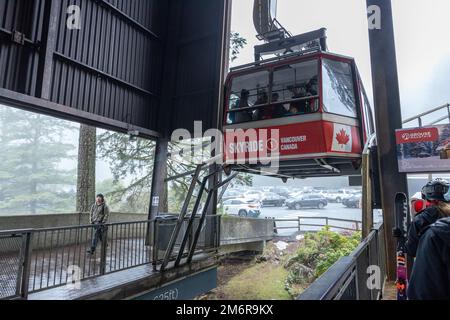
<point x="311" y="108"/>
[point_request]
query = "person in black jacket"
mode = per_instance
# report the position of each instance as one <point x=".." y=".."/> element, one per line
<point x="437" y="192"/>
<point x="430" y="279"/>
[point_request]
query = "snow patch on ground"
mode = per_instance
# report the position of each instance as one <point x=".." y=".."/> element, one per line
<point x="300" y="237"/>
<point x="281" y="245"/>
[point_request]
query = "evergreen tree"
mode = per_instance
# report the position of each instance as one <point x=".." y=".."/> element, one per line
<point x="130" y="160"/>
<point x="135" y="159"/>
<point x="32" y="174"/>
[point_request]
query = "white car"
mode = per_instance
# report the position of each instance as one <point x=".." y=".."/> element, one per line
<point x="337" y="195"/>
<point x="242" y="208"/>
<point x="254" y="195"/>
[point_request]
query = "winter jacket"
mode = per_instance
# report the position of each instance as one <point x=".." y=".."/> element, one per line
<point x="430" y="278"/>
<point x="99" y="213"/>
<point x="421" y="221"/>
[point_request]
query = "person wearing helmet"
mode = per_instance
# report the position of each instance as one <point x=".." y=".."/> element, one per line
<point x="429" y="242"/>
<point x="430" y="278"/>
<point x="437" y="194"/>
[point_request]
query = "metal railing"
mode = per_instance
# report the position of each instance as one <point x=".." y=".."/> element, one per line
<point x="62" y="253"/>
<point x="39" y="259"/>
<point x="299" y="225"/>
<point x="348" y="278"/>
<point x="420" y="117"/>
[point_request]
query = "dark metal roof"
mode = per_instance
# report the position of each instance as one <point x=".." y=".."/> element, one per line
<point x="141" y="62"/>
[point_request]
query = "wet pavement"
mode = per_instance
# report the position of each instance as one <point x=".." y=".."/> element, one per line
<point x="60" y="265"/>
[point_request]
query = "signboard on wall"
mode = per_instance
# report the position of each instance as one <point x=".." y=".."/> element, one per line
<point x="422" y="150"/>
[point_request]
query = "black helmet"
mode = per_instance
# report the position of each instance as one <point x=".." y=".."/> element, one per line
<point x="436" y="190"/>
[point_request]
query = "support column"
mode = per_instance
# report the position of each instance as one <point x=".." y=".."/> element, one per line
<point x="158" y="195"/>
<point x="51" y="20"/>
<point x="388" y="116"/>
<point x="210" y="224"/>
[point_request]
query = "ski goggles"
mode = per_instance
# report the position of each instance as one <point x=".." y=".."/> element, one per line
<point x="439" y="190"/>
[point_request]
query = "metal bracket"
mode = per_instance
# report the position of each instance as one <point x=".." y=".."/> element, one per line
<point x="325" y="165"/>
<point x="18" y="37"/>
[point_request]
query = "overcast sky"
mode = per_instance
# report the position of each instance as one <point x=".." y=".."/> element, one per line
<point x="422" y="40"/>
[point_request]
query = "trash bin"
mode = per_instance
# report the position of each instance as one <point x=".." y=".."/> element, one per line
<point x="165" y="225"/>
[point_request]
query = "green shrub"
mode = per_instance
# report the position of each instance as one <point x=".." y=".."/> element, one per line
<point x="318" y="253"/>
<point x="333" y="247"/>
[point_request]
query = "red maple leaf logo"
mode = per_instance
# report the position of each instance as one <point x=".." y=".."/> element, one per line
<point x="342" y="137"/>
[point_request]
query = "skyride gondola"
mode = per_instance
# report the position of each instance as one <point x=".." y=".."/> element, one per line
<point x="313" y="99"/>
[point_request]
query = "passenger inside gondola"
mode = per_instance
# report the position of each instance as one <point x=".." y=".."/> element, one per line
<point x="242" y="103"/>
<point x="293" y="109"/>
<point x="293" y="90"/>
<point x="312" y="87"/>
<point x="279" y="110"/>
<point x="272" y="110"/>
<point x="262" y="99"/>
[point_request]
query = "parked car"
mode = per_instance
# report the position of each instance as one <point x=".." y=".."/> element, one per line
<point x="337" y="195"/>
<point x="294" y="195"/>
<point x="242" y="208"/>
<point x="281" y="191"/>
<point x="254" y="195"/>
<point x="232" y="194"/>
<point x="307" y="201"/>
<point x="319" y="190"/>
<point x="350" y="193"/>
<point x="354" y="201"/>
<point x="272" y="199"/>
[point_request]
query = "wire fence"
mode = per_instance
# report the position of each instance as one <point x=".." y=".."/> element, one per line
<point x="10" y="265"/>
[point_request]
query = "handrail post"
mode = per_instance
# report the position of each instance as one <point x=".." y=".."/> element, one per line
<point x="147" y="236"/>
<point x="26" y="265"/>
<point x="104" y="250"/>
<point x="218" y="234"/>
<point x="448" y="111"/>
<point x="327" y="223"/>
<point x="155" y="244"/>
